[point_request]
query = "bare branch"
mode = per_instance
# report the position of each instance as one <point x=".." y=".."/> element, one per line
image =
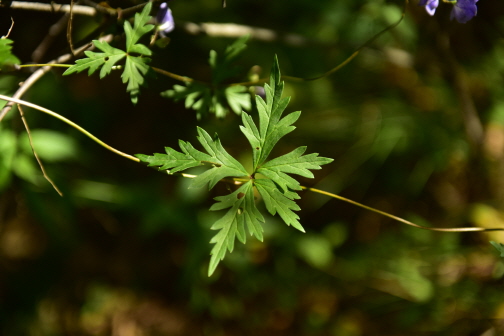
<point x="55" y="8"/>
<point x="48" y="40"/>
<point x="35" y="153"/>
<point x="233" y="30"/>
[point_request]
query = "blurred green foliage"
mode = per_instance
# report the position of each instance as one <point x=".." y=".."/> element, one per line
<point x="414" y="124"/>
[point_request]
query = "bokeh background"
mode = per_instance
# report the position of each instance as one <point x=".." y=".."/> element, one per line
<point x="415" y="124"/>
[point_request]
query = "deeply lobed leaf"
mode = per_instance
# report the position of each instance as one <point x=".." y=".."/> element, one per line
<point x="140" y="28"/>
<point x="292" y="163"/>
<point x="106" y="59"/>
<point x="224" y="165"/>
<point x="278" y="189"/>
<point x="136" y="66"/>
<point x="275" y="202"/>
<point x="271" y="126"/>
<point x="242" y="212"/>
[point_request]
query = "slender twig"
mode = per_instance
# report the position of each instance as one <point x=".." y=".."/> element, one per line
<point x="91" y="10"/>
<point x="241" y="180"/>
<point x="233" y="30"/>
<point x="399" y="219"/>
<point x="174" y="76"/>
<point x="49" y="38"/>
<point x="35" y="153"/>
<point x="71" y="123"/>
<point x="299" y="79"/>
<point x="54" y="8"/>
<point x="339" y="66"/>
<point x="10" y="29"/>
<point x="82" y="130"/>
<point x="69" y="28"/>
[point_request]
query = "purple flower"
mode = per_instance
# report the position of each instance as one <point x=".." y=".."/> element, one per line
<point x="430" y="5"/>
<point x="164" y="19"/>
<point x="464" y="10"/>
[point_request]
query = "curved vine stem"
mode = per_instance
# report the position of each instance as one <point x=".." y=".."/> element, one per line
<point x="69" y="122"/>
<point x="77" y="127"/>
<point x="339" y="66"/>
<point x="399" y="219"/>
<point x="239" y="181"/>
<point x="30" y="139"/>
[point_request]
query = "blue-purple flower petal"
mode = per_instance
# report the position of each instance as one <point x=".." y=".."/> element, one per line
<point x="464" y="10"/>
<point x="430" y="5"/>
<point x="165" y="20"/>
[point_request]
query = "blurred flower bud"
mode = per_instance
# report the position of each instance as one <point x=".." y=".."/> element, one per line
<point x="165" y="20"/>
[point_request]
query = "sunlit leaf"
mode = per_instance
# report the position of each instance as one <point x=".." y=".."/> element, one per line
<point x="136" y="55"/>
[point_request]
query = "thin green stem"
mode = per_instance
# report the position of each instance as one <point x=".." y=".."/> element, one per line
<point x="399" y="219"/>
<point x="30" y="139"/>
<point x="69" y="122"/>
<point x="174" y="76"/>
<point x="241" y="180"/>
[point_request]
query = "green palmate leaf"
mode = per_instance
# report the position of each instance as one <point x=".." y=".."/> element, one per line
<point x="136" y="61"/>
<point x="242" y="212"/>
<point x="292" y="163"/>
<point x="7" y="59"/>
<point x="238" y="98"/>
<point x="216" y="98"/>
<point x="278" y="189"/>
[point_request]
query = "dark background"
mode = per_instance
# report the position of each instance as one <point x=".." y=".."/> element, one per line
<point x="416" y="127"/>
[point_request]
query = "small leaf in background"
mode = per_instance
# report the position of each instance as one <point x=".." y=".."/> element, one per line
<point x="316" y="250"/>
<point x="136" y="55"/>
<point x="197" y="97"/>
<point x="216" y="98"/>
<point x="238" y="98"/>
<point x="50" y="145"/>
<point x="499" y="247"/>
<point x="7" y="59"/>
<point x="25" y="167"/>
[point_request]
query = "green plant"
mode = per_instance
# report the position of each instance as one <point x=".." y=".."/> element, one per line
<point x="278" y="190"/>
